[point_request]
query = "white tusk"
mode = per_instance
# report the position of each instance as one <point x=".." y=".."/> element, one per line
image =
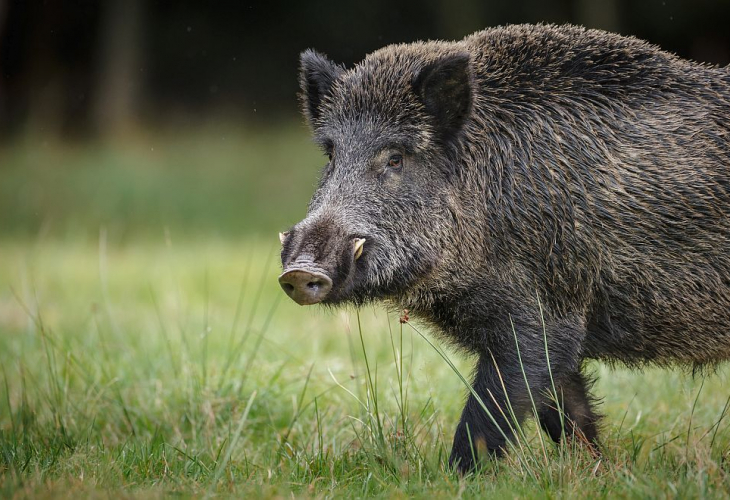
<point x="359" y="243"/>
<point x="282" y="236"/>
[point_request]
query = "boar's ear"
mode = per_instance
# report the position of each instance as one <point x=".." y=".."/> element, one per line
<point x="445" y="89"/>
<point x="316" y="76"/>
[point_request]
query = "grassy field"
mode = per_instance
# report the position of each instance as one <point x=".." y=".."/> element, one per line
<point x="217" y="182"/>
<point x="145" y="356"/>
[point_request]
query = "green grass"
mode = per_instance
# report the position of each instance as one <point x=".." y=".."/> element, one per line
<point x="159" y="368"/>
<point x="147" y="350"/>
<point x="220" y="181"/>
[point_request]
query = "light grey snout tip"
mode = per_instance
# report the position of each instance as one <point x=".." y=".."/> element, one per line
<point x="305" y="287"/>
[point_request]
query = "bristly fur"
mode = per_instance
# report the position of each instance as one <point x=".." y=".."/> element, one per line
<point x="557" y="182"/>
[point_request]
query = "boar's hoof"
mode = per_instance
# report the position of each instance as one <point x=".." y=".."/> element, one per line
<point x="305" y="287"/>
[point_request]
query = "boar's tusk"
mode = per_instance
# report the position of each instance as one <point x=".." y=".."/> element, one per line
<point x="282" y="236"/>
<point x="359" y="243"/>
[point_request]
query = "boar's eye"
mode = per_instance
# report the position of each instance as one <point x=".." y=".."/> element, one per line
<point x="395" y="162"/>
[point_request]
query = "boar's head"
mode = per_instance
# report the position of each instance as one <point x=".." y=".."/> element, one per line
<point x="384" y="216"/>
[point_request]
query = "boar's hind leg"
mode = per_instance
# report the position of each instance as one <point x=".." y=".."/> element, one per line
<point x="576" y="417"/>
<point x="503" y="401"/>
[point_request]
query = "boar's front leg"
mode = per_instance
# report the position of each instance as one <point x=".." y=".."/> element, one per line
<point x="573" y="413"/>
<point x="501" y="399"/>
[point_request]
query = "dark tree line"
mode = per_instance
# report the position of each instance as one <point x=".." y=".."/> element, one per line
<point x="100" y="66"/>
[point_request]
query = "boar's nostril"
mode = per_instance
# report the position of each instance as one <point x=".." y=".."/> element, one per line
<point x="305" y="287"/>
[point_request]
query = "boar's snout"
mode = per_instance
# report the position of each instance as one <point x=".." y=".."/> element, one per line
<point x="320" y="261"/>
<point x="305" y="287"/>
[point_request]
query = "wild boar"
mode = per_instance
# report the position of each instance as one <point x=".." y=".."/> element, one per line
<point x="541" y="195"/>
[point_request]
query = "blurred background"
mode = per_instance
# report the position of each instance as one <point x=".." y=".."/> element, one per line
<point x="149" y="116"/>
<point x="150" y="151"/>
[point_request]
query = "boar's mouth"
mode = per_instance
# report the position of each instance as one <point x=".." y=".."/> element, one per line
<point x="308" y="281"/>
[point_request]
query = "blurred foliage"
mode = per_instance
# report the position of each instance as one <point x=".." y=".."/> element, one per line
<point x="100" y="65"/>
<point x="136" y="116"/>
<point x="206" y="183"/>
